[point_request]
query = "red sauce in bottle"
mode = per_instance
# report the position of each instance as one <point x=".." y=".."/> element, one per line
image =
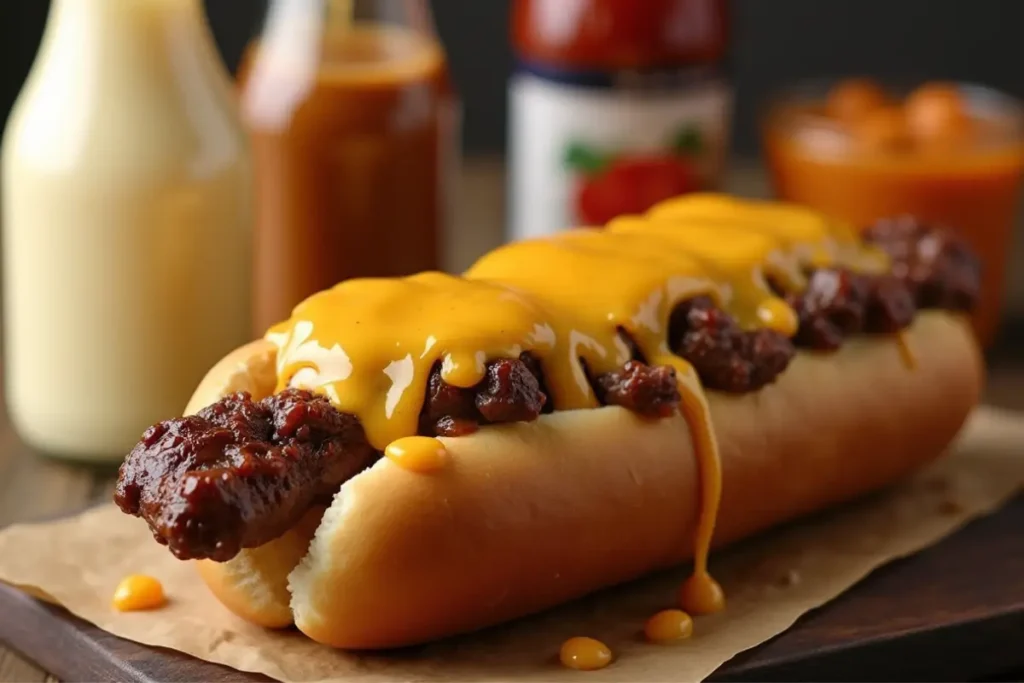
<point x="614" y="106"/>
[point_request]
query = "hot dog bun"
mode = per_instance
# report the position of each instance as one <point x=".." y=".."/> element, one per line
<point x="529" y="515"/>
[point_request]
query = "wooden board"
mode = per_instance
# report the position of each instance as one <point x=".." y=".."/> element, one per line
<point x="953" y="612"/>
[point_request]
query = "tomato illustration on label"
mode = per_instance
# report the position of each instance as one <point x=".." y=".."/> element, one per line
<point x="613" y="184"/>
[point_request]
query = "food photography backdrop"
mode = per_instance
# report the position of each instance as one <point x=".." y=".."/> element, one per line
<point x="773" y="44"/>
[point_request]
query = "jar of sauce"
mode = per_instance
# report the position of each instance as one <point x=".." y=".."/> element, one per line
<point x="127" y="205"/>
<point x="614" y="105"/>
<point x="353" y="124"/>
<point x="946" y="153"/>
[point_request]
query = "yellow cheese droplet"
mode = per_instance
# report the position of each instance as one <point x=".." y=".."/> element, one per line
<point x="417" y="453"/>
<point x="701" y="594"/>
<point x="585" y="654"/>
<point x="669" y="626"/>
<point x="138" y="592"/>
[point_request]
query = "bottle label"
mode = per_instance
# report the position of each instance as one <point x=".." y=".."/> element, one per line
<point x="585" y="147"/>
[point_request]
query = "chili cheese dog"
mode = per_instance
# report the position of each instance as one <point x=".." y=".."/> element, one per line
<point x="405" y="459"/>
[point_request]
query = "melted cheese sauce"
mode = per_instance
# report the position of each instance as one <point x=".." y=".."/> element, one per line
<point x="584" y="654"/>
<point x="906" y="350"/>
<point x="138" y="592"/>
<point x="417" y="453"/>
<point x="669" y="626"/>
<point x="369" y="344"/>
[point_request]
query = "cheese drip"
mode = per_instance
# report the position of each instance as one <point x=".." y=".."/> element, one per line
<point x="369" y="344"/>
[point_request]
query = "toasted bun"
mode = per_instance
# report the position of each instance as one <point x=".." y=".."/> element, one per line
<point x="530" y="515"/>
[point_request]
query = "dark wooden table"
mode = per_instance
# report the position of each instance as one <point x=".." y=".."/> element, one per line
<point x="32" y="487"/>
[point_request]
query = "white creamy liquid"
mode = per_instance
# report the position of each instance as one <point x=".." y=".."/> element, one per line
<point x="126" y="225"/>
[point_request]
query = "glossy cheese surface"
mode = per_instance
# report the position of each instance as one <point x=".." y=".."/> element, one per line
<point x="369" y="344"/>
<point x="575" y="301"/>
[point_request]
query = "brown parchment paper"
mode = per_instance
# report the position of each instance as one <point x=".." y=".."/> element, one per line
<point x="770" y="581"/>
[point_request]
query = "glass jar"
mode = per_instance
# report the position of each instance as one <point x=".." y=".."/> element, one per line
<point x="614" y="106"/>
<point x="862" y="151"/>
<point x="354" y="126"/>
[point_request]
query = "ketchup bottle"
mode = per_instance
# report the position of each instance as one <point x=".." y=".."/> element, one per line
<point x="614" y="105"/>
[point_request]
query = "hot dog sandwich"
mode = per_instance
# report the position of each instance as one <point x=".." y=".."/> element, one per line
<point x="405" y="459"/>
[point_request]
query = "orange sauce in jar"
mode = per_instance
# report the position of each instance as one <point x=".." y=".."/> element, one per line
<point x="944" y="153"/>
<point x="350" y="138"/>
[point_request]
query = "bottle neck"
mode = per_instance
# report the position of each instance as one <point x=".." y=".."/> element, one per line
<point x="352" y="40"/>
<point x="324" y="16"/>
<point x="131" y="29"/>
<point x="630" y="35"/>
<point x="300" y="37"/>
<point x="411" y="14"/>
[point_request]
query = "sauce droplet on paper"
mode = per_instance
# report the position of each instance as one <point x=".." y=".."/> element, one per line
<point x="669" y="626"/>
<point x="585" y="654"/>
<point x="701" y="594"/>
<point x="139" y="592"/>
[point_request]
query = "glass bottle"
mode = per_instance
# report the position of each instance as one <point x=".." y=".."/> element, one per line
<point x="353" y="123"/>
<point x="126" y="224"/>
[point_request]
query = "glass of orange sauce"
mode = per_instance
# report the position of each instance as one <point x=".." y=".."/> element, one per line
<point x="947" y="153"/>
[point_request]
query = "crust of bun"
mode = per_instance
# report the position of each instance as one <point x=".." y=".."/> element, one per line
<point x="250" y="368"/>
<point x="254" y="583"/>
<point x="530" y="515"/>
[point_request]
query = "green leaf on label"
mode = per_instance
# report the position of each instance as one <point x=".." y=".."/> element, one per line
<point x="583" y="159"/>
<point x="688" y="141"/>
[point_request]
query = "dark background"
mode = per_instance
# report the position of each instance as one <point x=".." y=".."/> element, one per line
<point x="774" y="42"/>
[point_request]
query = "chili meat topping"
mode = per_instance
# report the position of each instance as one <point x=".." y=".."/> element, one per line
<point x="241" y="472"/>
<point x="936" y="264"/>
